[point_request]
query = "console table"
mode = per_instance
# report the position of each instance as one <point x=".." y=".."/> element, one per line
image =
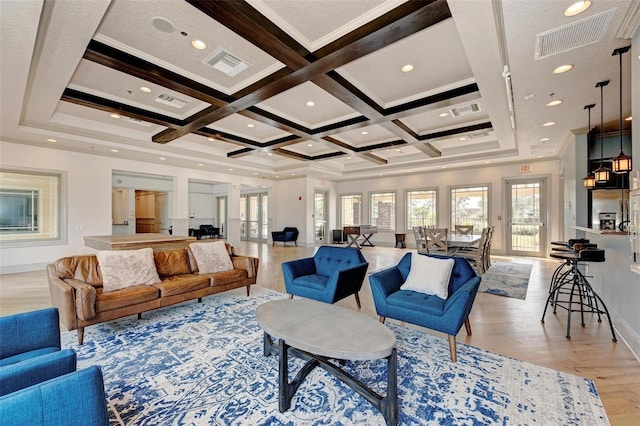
<point x="319" y="332"/>
<point x="136" y="241"/>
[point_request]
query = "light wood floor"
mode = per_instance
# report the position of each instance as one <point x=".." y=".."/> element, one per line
<point x="503" y="325"/>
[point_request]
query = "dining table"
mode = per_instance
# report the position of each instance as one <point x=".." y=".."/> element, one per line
<point x="457" y="241"/>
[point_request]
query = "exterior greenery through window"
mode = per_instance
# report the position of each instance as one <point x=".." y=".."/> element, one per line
<point x="383" y="210"/>
<point x="30" y="206"/>
<point x="351" y="209"/>
<point x="422" y="208"/>
<point x="470" y="206"/>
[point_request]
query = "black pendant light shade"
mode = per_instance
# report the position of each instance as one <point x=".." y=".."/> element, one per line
<point x="621" y="163"/>
<point x="602" y="173"/>
<point x="589" y="181"/>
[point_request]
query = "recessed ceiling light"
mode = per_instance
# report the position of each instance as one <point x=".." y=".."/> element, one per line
<point x="549" y="123"/>
<point x="145" y="89"/>
<point x="563" y="68"/>
<point x="162" y="158"/>
<point x="443" y="167"/>
<point x="52" y="140"/>
<point x="269" y="153"/>
<point x="293" y="174"/>
<point x="230" y="170"/>
<point x="628" y="118"/>
<point x="443" y="114"/>
<point x="398" y="150"/>
<point x="200" y="164"/>
<point x="255" y="173"/>
<point x="487" y="162"/>
<point x="407" y="68"/>
<point x="364" y="132"/>
<point x="211" y="139"/>
<point x="199" y="44"/>
<point x="348" y="158"/>
<point x="540" y="156"/>
<point x="114" y="150"/>
<point x="554" y="102"/>
<point x="309" y="144"/>
<point x="114" y="115"/>
<point x="544" y="139"/>
<point x="251" y="126"/>
<point x="310" y="103"/>
<point x="577" y="8"/>
<point x="462" y="139"/>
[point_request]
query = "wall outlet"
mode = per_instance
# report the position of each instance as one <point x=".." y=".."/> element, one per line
<point x="79" y="227"/>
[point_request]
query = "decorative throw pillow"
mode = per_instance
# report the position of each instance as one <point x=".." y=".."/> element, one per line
<point x="429" y="275"/>
<point x="126" y="268"/>
<point x="211" y="257"/>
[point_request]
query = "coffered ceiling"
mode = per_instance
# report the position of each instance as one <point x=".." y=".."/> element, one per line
<point x="308" y="86"/>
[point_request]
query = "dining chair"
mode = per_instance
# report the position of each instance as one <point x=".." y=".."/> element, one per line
<point x="477" y="255"/>
<point x="487" y="247"/>
<point x="436" y="240"/>
<point x="464" y="229"/>
<point x="421" y="239"/>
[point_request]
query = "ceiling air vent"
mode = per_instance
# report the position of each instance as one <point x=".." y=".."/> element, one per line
<point x="171" y="100"/>
<point x="571" y="36"/>
<point x="139" y="122"/>
<point x="226" y="62"/>
<point x="465" y="110"/>
<point x="478" y="135"/>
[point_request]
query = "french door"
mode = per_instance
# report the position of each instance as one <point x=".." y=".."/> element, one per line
<point x="253" y="217"/>
<point x="320" y="214"/>
<point x="526" y="231"/>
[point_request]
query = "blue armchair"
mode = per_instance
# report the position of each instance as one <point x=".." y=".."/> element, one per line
<point x="332" y="274"/>
<point x="287" y="234"/>
<point x="446" y="316"/>
<point x="75" y="399"/>
<point x="30" y="350"/>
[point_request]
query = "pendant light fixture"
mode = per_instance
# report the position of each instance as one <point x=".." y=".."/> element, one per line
<point x="602" y="173"/>
<point x="589" y="181"/>
<point x="621" y="163"/>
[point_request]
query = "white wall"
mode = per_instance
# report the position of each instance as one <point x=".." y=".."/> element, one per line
<point x="88" y="206"/>
<point x="290" y="207"/>
<point x="443" y="179"/>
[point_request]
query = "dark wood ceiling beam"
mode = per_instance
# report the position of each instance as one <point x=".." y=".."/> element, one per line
<point x="429" y="14"/>
<point x="240" y="153"/>
<point x="111" y="57"/>
<point x="113" y="107"/>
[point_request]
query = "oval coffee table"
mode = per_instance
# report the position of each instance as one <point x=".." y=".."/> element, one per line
<point x="319" y="332"/>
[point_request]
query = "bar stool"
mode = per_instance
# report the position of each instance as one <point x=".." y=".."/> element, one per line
<point x="573" y="283"/>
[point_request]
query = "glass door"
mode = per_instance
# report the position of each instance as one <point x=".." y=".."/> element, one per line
<point x="526" y="231"/>
<point x="253" y="217"/>
<point x="320" y="214"/>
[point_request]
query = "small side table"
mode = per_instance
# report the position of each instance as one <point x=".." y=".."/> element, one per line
<point x="400" y="241"/>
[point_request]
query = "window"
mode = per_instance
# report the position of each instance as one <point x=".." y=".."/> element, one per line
<point x="470" y="206"/>
<point x="30" y="206"/>
<point x="383" y="210"/>
<point x="351" y="209"/>
<point x="422" y="208"/>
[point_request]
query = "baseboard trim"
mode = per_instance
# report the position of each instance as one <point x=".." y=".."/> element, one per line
<point x="627" y="335"/>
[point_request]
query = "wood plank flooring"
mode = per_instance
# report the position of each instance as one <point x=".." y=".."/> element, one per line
<point x="503" y="325"/>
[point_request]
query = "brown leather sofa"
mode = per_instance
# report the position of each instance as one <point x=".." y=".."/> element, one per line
<point x="75" y="284"/>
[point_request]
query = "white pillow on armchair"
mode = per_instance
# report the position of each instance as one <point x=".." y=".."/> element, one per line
<point x="429" y="275"/>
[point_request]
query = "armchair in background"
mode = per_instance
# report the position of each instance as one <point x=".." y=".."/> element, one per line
<point x="209" y="231"/>
<point x="332" y="274"/>
<point x="287" y="234"/>
<point x="446" y="316"/>
<point x="74" y="399"/>
<point x="30" y="350"/>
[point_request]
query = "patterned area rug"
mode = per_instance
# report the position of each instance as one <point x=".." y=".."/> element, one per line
<point x="202" y="364"/>
<point x="506" y="279"/>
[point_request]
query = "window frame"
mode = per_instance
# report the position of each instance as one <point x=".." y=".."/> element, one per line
<point x="450" y="219"/>
<point x="340" y="208"/>
<point x="371" y="194"/>
<point x="61" y="211"/>
<point x="406" y="205"/>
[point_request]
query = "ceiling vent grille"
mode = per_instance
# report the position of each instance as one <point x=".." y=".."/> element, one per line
<point x="139" y="122"/>
<point x="478" y="135"/>
<point x="465" y="110"/>
<point x="226" y="62"/>
<point x="171" y="100"/>
<point x="571" y="36"/>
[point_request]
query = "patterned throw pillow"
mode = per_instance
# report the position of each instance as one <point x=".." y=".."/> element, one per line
<point x="211" y="257"/>
<point x="126" y="268"/>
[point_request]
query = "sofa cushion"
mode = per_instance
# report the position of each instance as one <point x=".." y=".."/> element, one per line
<point x="171" y="262"/>
<point x="429" y="275"/>
<point x="318" y="282"/>
<point x="125" y="268"/>
<point x="82" y="268"/>
<point x="420" y="303"/>
<point x="226" y="277"/>
<point x="211" y="257"/>
<point x="178" y="284"/>
<point x="109" y="300"/>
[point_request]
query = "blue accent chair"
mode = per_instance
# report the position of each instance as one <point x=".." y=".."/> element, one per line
<point x="446" y="316"/>
<point x="30" y="350"/>
<point x="288" y="233"/>
<point x="332" y="274"/>
<point x="75" y="399"/>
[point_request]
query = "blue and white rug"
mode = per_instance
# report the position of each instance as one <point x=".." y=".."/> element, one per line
<point x="202" y="364"/>
<point x="507" y="279"/>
